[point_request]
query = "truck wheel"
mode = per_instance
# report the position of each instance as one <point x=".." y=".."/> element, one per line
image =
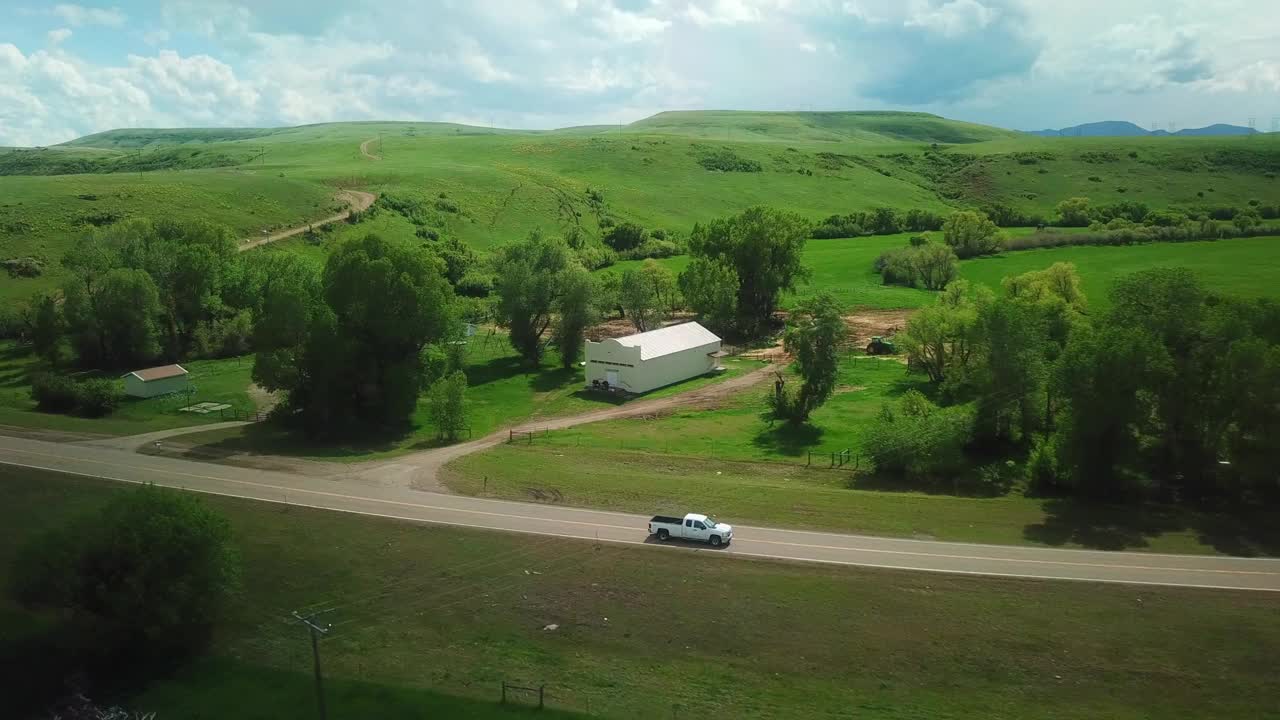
<point x="715" y="541"/>
<point x="664" y="535"/>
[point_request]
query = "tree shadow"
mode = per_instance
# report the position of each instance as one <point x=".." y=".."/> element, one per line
<point x="272" y="438"/>
<point x="1102" y="527"/>
<point x="496" y="369"/>
<point x="1245" y="532"/>
<point x="788" y="438"/>
<point x="548" y="379"/>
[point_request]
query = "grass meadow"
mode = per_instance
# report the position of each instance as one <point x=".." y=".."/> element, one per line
<point x="430" y="620"/>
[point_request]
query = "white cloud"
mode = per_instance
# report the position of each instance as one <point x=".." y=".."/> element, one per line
<point x="57" y="36"/>
<point x="628" y="26"/>
<point x="726" y="12"/>
<point x="954" y="18"/>
<point x="471" y="57"/>
<point x="78" y="15"/>
<point x="156" y="37"/>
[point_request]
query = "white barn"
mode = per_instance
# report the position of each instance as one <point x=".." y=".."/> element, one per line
<point x="650" y="360"/>
<point x="156" y="381"/>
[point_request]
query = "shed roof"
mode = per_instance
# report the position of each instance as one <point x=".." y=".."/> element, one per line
<point x="667" y="340"/>
<point x="159" y="373"/>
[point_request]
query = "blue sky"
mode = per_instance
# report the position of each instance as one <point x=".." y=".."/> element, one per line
<point x="70" y="69"/>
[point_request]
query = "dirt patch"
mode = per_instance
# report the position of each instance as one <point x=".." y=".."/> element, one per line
<point x="622" y="327"/>
<point x="841" y="390"/>
<point x="355" y="199"/>
<point x="775" y="353"/>
<point x="866" y="324"/>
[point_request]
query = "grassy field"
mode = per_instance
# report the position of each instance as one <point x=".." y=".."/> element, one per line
<point x="1243" y="267"/>
<point x="734" y="463"/>
<point x="430" y="620"/>
<point x="218" y="381"/>
<point x="502" y="391"/>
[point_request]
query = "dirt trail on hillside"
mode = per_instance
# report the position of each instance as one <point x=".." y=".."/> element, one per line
<point x="364" y="150"/>
<point x="356" y="200"/>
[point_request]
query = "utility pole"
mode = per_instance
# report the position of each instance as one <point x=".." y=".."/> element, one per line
<point x="317" y="630"/>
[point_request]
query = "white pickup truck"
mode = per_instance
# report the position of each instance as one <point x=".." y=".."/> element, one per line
<point x="693" y="526"/>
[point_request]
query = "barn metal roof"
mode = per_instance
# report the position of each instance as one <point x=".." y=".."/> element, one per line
<point x="667" y="340"/>
<point x="159" y="373"/>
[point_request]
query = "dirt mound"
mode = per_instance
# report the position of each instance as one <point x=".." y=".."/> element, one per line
<point x="622" y="327"/>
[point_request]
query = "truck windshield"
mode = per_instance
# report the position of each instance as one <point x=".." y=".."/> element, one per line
<point x="712" y="522"/>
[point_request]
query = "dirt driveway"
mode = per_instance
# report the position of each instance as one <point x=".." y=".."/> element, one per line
<point x="356" y="200"/>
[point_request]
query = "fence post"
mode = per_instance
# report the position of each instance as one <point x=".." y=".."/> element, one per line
<point x="809" y="462"/>
<point x="511" y="436"/>
<point x="833" y="459"/>
<point x="541" y="691"/>
<point x="504" y="692"/>
<point x="530" y="437"/>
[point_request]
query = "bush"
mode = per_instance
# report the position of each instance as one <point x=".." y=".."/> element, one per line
<point x="1006" y="216"/>
<point x="95" y="398"/>
<point x="930" y="266"/>
<point x="23" y="267"/>
<point x="594" y="257"/>
<point x="1042" y="466"/>
<point x="474" y="284"/>
<point x="1223" y="212"/>
<point x="53" y="392"/>
<point x="921" y="221"/>
<point x="625" y="236"/>
<point x="971" y="234"/>
<point x="652" y="248"/>
<point x="918" y="440"/>
<point x="728" y="161"/>
<point x="1074" y="212"/>
<point x="143" y="579"/>
<point x="1137" y="234"/>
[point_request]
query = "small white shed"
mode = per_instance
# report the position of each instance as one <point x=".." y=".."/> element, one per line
<point x="156" y="381"/>
<point x="650" y="360"/>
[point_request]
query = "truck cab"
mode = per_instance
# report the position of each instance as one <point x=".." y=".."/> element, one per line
<point x="693" y="526"/>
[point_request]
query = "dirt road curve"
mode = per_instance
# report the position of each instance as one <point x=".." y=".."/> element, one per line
<point x="420" y="470"/>
<point x="365" y="151"/>
<point x="404" y="503"/>
<point x="356" y="200"/>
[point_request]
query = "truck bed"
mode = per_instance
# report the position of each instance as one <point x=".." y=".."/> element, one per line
<point x="667" y="520"/>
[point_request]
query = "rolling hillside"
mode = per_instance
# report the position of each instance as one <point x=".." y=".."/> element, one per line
<point x="665" y="172"/>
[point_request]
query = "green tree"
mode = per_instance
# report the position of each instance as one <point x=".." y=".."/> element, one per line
<point x="529" y="279"/>
<point x="971" y="234"/>
<point x="1103" y="377"/>
<point x="143" y="578"/>
<point x="764" y="247"/>
<point x="710" y="287"/>
<point x="47" y="328"/>
<point x="918" y="440"/>
<point x="940" y="338"/>
<point x="446" y="403"/>
<point x="813" y="337"/>
<point x="609" y="293"/>
<point x="113" y="323"/>
<point x="1074" y="212"/>
<point x="346" y="346"/>
<point x="625" y="236"/>
<point x="647" y="294"/>
<point x="577" y="311"/>
<point x="933" y="266"/>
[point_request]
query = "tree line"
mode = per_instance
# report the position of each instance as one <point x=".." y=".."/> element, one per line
<point x="1171" y="393"/>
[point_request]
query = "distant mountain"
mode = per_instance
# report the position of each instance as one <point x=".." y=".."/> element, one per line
<point x="1123" y="128"/>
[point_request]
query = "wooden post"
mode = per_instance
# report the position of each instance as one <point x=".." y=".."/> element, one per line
<point x="511" y="435"/>
<point x="833" y="459"/>
<point x="504" y="692"/>
<point x="541" y="692"/>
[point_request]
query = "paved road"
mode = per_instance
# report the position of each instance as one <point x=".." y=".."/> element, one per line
<point x="415" y="505"/>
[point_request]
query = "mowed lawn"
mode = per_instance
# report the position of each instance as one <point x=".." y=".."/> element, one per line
<point x="430" y="620"/>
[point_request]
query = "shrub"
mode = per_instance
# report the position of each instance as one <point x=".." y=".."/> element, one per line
<point x="474" y="284"/>
<point x="930" y="266"/>
<point x="918" y="240"/>
<point x="919" y="440"/>
<point x="53" y="392"/>
<point x="917" y="220"/>
<point x="625" y="236"/>
<point x="971" y="234"/>
<point x="1074" y="212"/>
<point x="1225" y="212"/>
<point x="652" y="248"/>
<point x="1166" y="218"/>
<point x="1042" y="466"/>
<point x="23" y="267"/>
<point x="594" y="257"/>
<point x="95" y="398"/>
<point x="1006" y="216"/>
<point x="895" y="267"/>
<point x="728" y="161"/>
<point x="1095" y="178"/>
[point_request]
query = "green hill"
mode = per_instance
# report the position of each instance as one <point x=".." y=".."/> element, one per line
<point x="861" y="127"/>
<point x="665" y="172"/>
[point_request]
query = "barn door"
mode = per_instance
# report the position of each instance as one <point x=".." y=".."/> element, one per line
<point x="611" y="377"/>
